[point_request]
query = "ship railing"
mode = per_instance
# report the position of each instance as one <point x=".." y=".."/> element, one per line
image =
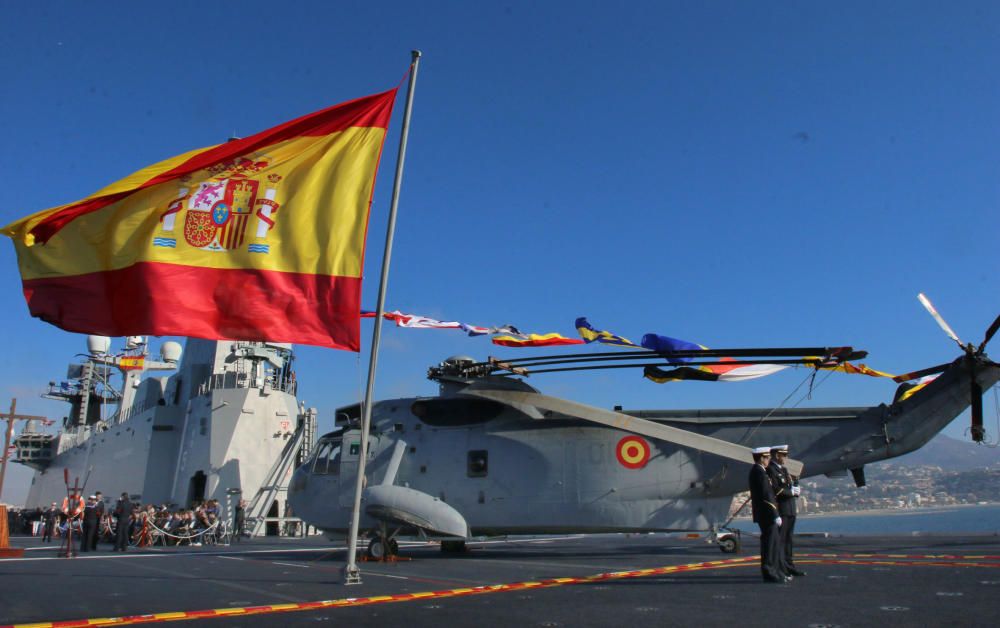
<point x="287" y="526"/>
<point x="233" y="380"/>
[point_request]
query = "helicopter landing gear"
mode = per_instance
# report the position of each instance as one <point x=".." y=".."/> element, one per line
<point x="383" y="545"/>
<point x="383" y="549"/>
<point x="729" y="543"/>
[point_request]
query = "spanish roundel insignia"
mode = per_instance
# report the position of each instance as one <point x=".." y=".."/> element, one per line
<point x="632" y="452"/>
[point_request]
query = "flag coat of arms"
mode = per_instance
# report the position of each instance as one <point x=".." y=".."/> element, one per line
<point x="260" y="238"/>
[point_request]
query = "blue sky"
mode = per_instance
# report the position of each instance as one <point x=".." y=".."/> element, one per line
<point x="730" y="173"/>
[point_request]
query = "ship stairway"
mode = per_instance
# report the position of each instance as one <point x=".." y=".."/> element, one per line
<point x="273" y="486"/>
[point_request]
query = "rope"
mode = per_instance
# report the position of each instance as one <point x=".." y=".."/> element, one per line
<point x="735" y="514"/>
<point x="776" y="408"/>
<point x="183" y="538"/>
<point x="812" y="388"/>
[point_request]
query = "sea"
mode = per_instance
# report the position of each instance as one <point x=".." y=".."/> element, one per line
<point x="961" y="519"/>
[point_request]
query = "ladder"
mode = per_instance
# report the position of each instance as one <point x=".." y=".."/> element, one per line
<point x="273" y="486"/>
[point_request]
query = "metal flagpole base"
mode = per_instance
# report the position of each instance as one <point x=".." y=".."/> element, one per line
<point x="352" y="575"/>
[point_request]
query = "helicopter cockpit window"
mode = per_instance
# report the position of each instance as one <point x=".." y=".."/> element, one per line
<point x="327" y="461"/>
<point x="478" y="463"/>
<point x="455" y="412"/>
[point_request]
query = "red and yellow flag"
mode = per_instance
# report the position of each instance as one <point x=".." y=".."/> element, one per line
<point x="535" y="340"/>
<point x="260" y="238"/>
<point x="132" y="362"/>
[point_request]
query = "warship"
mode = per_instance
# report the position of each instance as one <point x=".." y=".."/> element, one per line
<point x="222" y="422"/>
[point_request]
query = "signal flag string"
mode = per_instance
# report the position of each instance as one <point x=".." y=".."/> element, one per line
<point x="508" y="335"/>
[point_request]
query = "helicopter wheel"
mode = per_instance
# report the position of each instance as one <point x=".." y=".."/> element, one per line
<point x="728" y="544"/>
<point x="377" y="548"/>
<point x="383" y="545"/>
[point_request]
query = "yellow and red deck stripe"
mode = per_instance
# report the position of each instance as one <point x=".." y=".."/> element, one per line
<point x="926" y="560"/>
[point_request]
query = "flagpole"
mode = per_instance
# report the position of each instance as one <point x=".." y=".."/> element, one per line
<point x="352" y="575"/>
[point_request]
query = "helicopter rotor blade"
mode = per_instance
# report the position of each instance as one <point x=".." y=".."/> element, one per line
<point x="989" y="334"/>
<point x="940" y="368"/>
<point x="940" y="320"/>
<point x="618" y="420"/>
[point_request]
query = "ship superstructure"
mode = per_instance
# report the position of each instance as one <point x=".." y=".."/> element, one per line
<point x="225" y="425"/>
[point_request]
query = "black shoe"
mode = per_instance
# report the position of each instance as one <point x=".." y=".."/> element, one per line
<point x="779" y="579"/>
<point x="796" y="572"/>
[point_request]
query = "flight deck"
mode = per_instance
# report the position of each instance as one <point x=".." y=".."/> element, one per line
<point x="594" y="580"/>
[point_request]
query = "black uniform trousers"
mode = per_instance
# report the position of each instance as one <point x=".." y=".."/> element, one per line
<point x="785" y="543"/>
<point x="47" y="530"/>
<point x="97" y="525"/>
<point x="770" y="550"/>
<point x="121" y="532"/>
<point x="239" y="522"/>
<point x="89" y="539"/>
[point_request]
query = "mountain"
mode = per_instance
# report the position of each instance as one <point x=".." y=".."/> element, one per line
<point x="951" y="455"/>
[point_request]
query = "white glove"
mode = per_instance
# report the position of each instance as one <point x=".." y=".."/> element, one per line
<point x="778" y="521"/>
<point x="796" y="491"/>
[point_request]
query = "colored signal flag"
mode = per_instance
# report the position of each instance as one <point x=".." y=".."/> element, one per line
<point x="260" y="238"/>
<point x="711" y="373"/>
<point x="589" y="334"/>
<point x="535" y="340"/>
<point x="666" y="344"/>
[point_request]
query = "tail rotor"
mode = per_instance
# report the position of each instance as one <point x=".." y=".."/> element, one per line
<point x="975" y="353"/>
<point x="940" y="320"/>
<point x="989" y="335"/>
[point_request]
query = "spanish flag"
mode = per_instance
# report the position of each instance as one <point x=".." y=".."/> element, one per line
<point x="260" y="238"/>
<point x="132" y="363"/>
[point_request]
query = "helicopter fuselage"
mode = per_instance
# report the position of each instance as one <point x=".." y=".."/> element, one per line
<point x="508" y="471"/>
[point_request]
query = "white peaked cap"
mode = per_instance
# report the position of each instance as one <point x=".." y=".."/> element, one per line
<point x="783" y="448"/>
<point x="762" y="450"/>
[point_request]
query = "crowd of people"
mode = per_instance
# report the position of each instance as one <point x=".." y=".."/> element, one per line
<point x="124" y="523"/>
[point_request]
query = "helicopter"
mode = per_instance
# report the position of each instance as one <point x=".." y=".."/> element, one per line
<point x="491" y="455"/>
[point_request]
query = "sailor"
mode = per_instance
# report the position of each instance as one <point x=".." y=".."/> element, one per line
<point x="100" y="518"/>
<point x="786" y="490"/>
<point x="123" y="521"/>
<point x="765" y="515"/>
<point x="89" y="524"/>
<point x="49" y="518"/>
<point x="239" y="520"/>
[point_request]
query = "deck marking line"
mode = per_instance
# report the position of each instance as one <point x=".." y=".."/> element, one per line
<point x="389" y="575"/>
<point x="495" y="588"/>
<point x="907" y="556"/>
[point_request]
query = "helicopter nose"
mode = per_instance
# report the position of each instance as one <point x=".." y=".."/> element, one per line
<point x="300" y="480"/>
<point x="297" y="487"/>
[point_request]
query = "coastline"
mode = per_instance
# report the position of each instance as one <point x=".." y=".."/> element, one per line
<point x="896" y="511"/>
<point x="874" y="512"/>
<point x="940" y="519"/>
